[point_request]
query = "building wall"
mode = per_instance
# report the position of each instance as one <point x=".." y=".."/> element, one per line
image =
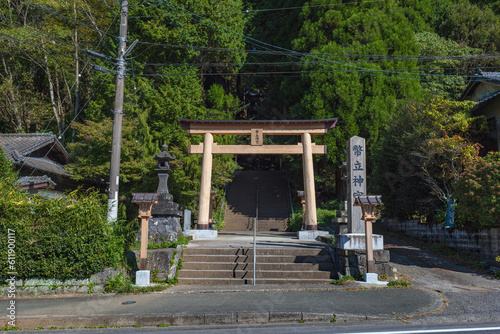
<point x="483" y="90"/>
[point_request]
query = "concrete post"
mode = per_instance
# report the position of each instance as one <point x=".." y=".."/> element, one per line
<point x="309" y="190"/>
<point x="206" y="181"/>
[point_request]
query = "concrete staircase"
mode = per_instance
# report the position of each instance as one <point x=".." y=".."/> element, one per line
<point x="221" y="266"/>
<point x="242" y="197"/>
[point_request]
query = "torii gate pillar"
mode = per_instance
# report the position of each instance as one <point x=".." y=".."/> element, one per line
<point x="311" y="220"/>
<point x="206" y="182"/>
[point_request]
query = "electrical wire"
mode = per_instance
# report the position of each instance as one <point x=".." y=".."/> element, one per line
<point x="69" y="18"/>
<point x="248" y="11"/>
<point x="187" y="39"/>
<point x="305" y="54"/>
<point x="335" y="64"/>
<point x="73" y="120"/>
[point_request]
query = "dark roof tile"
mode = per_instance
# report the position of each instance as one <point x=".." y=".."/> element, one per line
<point x="44" y="165"/>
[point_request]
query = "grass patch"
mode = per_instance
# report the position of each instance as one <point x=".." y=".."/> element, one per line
<point x="164" y="325"/>
<point x="181" y="240"/>
<point x="400" y="283"/>
<point x="120" y="284"/>
<point x="343" y="280"/>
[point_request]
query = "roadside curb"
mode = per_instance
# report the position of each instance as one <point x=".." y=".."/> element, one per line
<point x="180" y="319"/>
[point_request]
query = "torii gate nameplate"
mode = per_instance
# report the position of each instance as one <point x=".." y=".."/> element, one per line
<point x="257" y="130"/>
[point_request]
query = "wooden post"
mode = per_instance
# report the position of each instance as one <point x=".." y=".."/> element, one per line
<point x="368" y="204"/>
<point x="144" y="241"/>
<point x="145" y="201"/>
<point x="310" y="192"/>
<point x="370" y="263"/>
<point x="206" y="181"/>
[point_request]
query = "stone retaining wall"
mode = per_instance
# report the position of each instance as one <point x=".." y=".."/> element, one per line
<point x="50" y="286"/>
<point x="484" y="244"/>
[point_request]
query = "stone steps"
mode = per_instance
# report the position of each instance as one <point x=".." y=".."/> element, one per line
<point x="261" y="266"/>
<point x="273" y="266"/>
<point x="260" y="251"/>
<point x="186" y="273"/>
<point x="243" y="281"/>
<point x="273" y="201"/>
<point x="261" y="258"/>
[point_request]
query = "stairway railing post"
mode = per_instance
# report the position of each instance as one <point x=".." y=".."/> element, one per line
<point x="255" y="232"/>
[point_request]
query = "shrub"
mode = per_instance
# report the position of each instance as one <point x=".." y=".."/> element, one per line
<point x="478" y="192"/>
<point x="66" y="237"/>
<point x="324" y="217"/>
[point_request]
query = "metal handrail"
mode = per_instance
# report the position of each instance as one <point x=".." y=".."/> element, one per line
<point x="255" y="230"/>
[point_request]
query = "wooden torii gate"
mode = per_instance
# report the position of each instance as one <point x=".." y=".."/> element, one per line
<point x="257" y="130"/>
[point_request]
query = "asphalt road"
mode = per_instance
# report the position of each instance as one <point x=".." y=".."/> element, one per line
<point x="342" y="328"/>
<point x="442" y="292"/>
<point x="469" y="295"/>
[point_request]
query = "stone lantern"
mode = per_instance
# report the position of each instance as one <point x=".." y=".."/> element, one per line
<point x="165" y="225"/>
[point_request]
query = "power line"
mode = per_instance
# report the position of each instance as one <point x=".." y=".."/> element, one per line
<point x="306" y="54"/>
<point x="69" y="18"/>
<point x="187" y="39"/>
<point x="248" y="11"/>
<point x="69" y="125"/>
<point x="369" y="71"/>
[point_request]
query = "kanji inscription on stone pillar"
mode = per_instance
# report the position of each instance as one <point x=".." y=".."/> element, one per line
<point x="356" y="182"/>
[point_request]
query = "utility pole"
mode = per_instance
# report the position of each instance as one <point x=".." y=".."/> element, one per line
<point x="114" y="173"/>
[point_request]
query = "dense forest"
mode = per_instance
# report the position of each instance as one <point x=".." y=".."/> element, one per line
<point x="391" y="71"/>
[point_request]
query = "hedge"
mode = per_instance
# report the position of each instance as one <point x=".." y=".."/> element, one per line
<point x="67" y="237"/>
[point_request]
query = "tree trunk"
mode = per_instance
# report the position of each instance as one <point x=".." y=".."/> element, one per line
<point x="15" y="118"/>
<point x="52" y="95"/>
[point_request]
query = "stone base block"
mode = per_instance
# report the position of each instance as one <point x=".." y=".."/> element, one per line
<point x="203" y="234"/>
<point x="372" y="278"/>
<point x="158" y="262"/>
<point x="310" y="235"/>
<point x="356" y="241"/>
<point x="353" y="262"/>
<point x="142" y="278"/>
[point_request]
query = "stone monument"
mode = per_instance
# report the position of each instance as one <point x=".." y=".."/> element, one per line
<point x="350" y="247"/>
<point x="166" y="222"/>
<point x="356" y="182"/>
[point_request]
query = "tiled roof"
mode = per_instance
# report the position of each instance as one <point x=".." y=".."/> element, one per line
<point x="25" y="144"/>
<point x="495" y="76"/>
<point x="22" y="149"/>
<point x="43" y="165"/>
<point x="33" y="181"/>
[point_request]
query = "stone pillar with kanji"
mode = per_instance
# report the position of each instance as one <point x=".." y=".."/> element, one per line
<point x="356" y="182"/>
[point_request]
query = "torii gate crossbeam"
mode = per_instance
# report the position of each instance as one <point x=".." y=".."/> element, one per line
<point x="257" y="129"/>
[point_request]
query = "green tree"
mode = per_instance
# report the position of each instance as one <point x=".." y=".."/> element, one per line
<point x="418" y="141"/>
<point x="478" y="192"/>
<point x="361" y="93"/>
<point x="445" y="74"/>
